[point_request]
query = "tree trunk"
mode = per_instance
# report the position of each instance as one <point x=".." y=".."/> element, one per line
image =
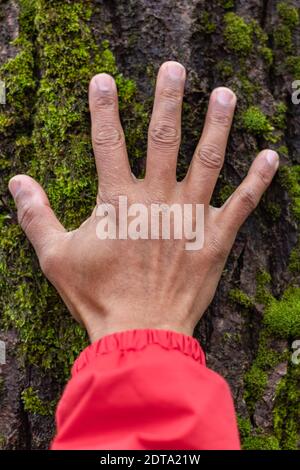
<point x="251" y="46"/>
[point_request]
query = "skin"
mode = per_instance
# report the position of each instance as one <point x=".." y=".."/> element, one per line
<point x="116" y="285"/>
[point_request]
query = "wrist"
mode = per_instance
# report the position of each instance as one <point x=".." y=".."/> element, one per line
<point x="97" y="332"/>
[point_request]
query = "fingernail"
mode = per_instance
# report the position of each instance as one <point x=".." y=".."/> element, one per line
<point x="104" y="82"/>
<point x="225" y="96"/>
<point x="176" y="71"/>
<point x="14" y="187"/>
<point x="273" y="159"/>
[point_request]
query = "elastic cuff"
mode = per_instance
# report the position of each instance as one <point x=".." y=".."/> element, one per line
<point x="136" y="340"/>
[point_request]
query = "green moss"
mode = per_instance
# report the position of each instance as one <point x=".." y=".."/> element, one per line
<point x="206" y="25"/>
<point x="225" y="68"/>
<point x="238" y="34"/>
<point x="248" y="88"/>
<point x="261" y="442"/>
<point x="267" y="358"/>
<point x="286" y="413"/>
<point x="290" y="180"/>
<point x="282" y="317"/>
<point x="224" y="193"/>
<point x="293" y="65"/>
<point x="279" y="117"/>
<point x="241" y="298"/>
<point x="283" y="37"/>
<point x="245" y="427"/>
<point x="48" y="133"/>
<point x="2" y="382"/>
<point x="267" y="54"/>
<point x="273" y="209"/>
<point x="283" y="33"/>
<point x="283" y="150"/>
<point x="2" y="442"/>
<point x="255" y="381"/>
<point x="263" y="295"/>
<point x="33" y="404"/>
<point x="242" y="37"/>
<point x="227" y="4"/>
<point x="5" y="122"/>
<point x="261" y="40"/>
<point x="256" y="122"/>
<point x="255" y="440"/>
<point x="294" y="261"/>
<point x="288" y="14"/>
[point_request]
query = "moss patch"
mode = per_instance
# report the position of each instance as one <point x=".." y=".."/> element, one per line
<point x="282" y="317"/>
<point x="238" y="34"/>
<point x="33" y="403"/>
<point x="241" y="298"/>
<point x="287" y="409"/>
<point x="261" y="442"/>
<point x="290" y="180"/>
<point x="256" y="122"/>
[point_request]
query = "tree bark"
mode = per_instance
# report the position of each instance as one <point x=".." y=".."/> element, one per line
<point x="251" y="46"/>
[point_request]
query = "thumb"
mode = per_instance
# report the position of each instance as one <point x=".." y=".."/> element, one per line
<point x="35" y="215"/>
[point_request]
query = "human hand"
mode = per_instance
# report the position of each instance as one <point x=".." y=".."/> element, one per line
<point x="114" y="285"/>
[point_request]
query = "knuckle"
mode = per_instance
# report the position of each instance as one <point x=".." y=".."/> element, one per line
<point x="109" y="198"/>
<point x="104" y="101"/>
<point x="219" y="118"/>
<point x="108" y="136"/>
<point x="262" y="176"/>
<point x="164" y="135"/>
<point x="27" y="215"/>
<point x="248" y="199"/>
<point x="210" y="156"/>
<point x="171" y="97"/>
<point x="217" y="250"/>
<point x="49" y="260"/>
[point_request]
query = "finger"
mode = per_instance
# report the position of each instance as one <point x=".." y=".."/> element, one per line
<point x="247" y="196"/>
<point x="107" y="134"/>
<point x="34" y="213"/>
<point x="209" y="155"/>
<point x="165" y="126"/>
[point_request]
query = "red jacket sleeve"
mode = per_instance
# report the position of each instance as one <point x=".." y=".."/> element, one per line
<point x="145" y="389"/>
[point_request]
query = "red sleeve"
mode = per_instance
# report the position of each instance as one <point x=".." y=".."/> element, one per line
<point x="145" y="389"/>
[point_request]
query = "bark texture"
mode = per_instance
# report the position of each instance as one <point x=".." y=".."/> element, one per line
<point x="251" y="46"/>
